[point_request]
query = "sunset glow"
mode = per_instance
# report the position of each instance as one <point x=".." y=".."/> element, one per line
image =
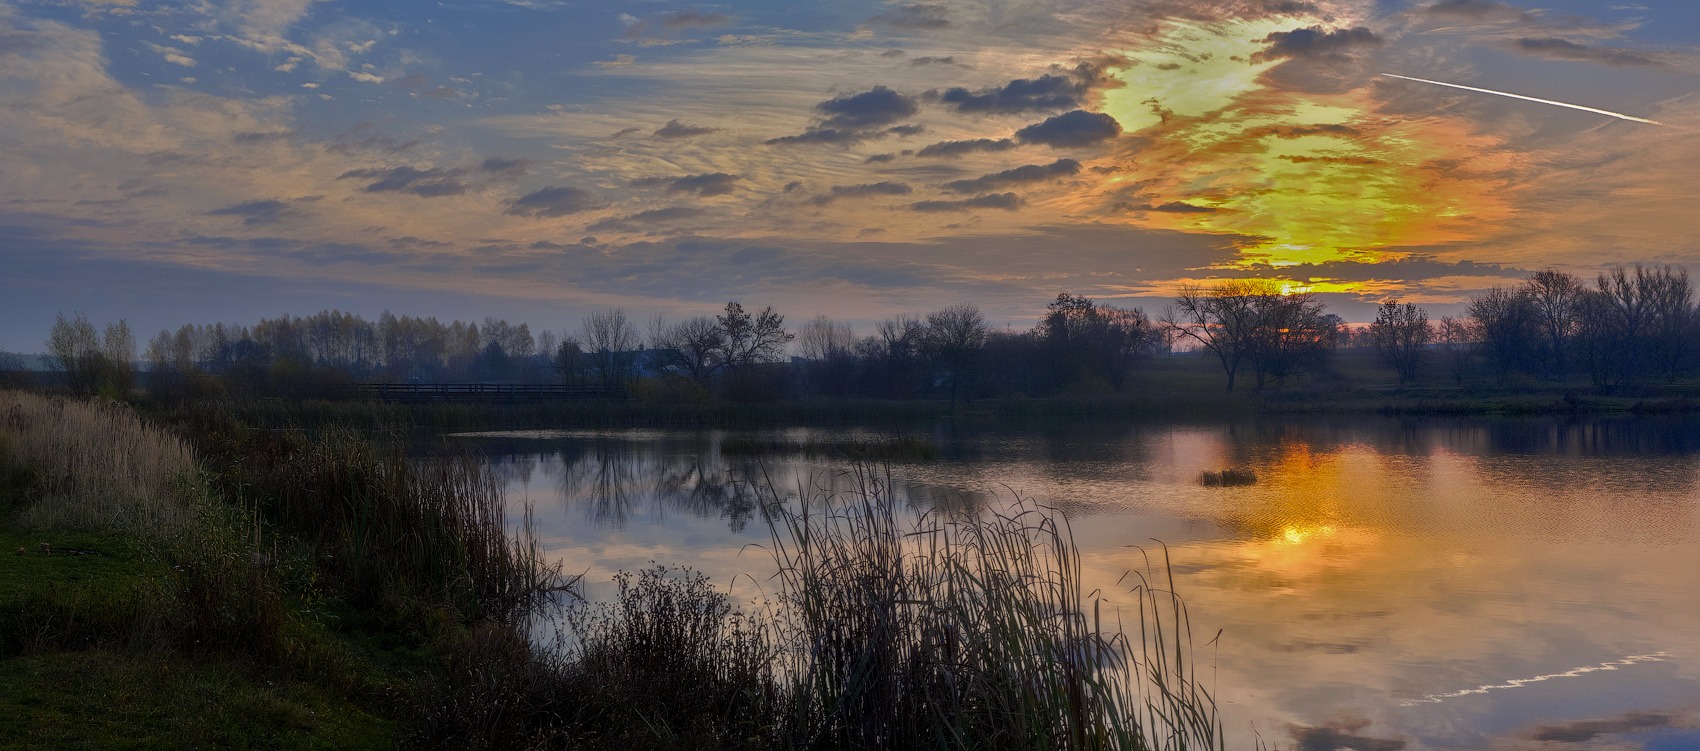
<point x="545" y="159"/>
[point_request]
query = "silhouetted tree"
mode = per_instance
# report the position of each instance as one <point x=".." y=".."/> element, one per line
<point x="954" y="337"/>
<point x="1400" y="335"/>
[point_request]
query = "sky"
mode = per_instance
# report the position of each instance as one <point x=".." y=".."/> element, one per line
<point x="224" y="160"/>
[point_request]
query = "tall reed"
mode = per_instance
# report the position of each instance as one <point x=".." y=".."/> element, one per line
<point x="95" y="464"/>
<point x="966" y="631"/>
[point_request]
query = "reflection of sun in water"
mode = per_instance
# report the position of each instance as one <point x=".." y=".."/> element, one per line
<point x="1302" y="177"/>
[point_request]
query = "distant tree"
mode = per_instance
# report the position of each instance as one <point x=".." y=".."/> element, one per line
<point x="1503" y="321"/>
<point x="954" y="336"/>
<point x="1088" y="344"/>
<point x="610" y="342"/>
<point x="1553" y="299"/>
<point x="748" y="339"/>
<point x="1400" y="335"/>
<point x="1276" y="333"/>
<point x="90" y="363"/>
<point x="828" y="350"/>
<point x="689" y="348"/>
<point x="1456" y="341"/>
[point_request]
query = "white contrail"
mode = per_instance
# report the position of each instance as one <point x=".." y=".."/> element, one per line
<point x="1607" y="113"/>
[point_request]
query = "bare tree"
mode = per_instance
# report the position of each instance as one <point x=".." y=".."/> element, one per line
<point x="1277" y="333"/>
<point x="610" y="342"/>
<point x="1400" y="335"/>
<point x="1504" y="324"/>
<point x="691" y="347"/>
<point x="955" y="335"/>
<point x="828" y="349"/>
<point x="1553" y="297"/>
<point x="1456" y="341"/>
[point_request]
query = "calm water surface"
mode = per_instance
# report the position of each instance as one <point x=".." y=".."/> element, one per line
<point x="1491" y="584"/>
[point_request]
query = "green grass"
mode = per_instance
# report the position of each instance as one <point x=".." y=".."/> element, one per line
<point x="101" y="698"/>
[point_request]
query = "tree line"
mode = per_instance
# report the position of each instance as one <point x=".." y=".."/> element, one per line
<point x="1627" y="325"/>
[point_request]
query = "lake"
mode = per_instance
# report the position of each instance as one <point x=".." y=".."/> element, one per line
<point x="1384" y="584"/>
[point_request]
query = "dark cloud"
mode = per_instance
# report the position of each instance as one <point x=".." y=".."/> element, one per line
<point x="958" y="148"/>
<point x="1316" y="43"/>
<point x="685" y="19"/>
<point x="428" y="183"/>
<point x="1025" y="174"/>
<point x="1342" y="736"/>
<point x="823" y="135"/>
<point x="946" y="60"/>
<point x="711" y="184"/>
<point x="1587" y="730"/>
<point x="1005" y="201"/>
<point x="1047" y="92"/>
<point x="503" y="166"/>
<point x="1076" y="128"/>
<point x="913" y="16"/>
<point x="644" y="220"/>
<point x="554" y="201"/>
<point x="1291" y="7"/>
<point x="255" y="212"/>
<point x="1553" y="48"/>
<point x="1300" y="131"/>
<point x="854" y="118"/>
<point x="675" y="129"/>
<point x="1181" y="207"/>
<point x="873" y="108"/>
<point x="862" y="191"/>
<point x="879" y="159"/>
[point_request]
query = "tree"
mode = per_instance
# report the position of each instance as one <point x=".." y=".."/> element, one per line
<point x="691" y="347"/>
<point x="1086" y="343"/>
<point x="1504" y="325"/>
<point x="751" y="339"/>
<point x="1400" y="335"/>
<point x="955" y="335"/>
<point x="92" y="364"/>
<point x="1456" y="340"/>
<point x="610" y="341"/>
<point x="828" y="349"/>
<point x="1275" y="331"/>
<point x="1553" y="299"/>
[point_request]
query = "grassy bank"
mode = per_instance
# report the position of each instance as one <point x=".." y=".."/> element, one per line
<point x="320" y="588"/>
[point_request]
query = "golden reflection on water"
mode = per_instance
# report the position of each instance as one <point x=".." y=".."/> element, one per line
<point x="1370" y="566"/>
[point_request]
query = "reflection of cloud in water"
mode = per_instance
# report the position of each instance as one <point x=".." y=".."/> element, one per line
<point x="1521" y="682"/>
<point x="1374" y="563"/>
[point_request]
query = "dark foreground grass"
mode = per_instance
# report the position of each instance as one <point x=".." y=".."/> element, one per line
<point x="322" y="589"/>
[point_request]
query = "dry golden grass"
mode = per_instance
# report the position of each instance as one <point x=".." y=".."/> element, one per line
<point x="97" y="465"/>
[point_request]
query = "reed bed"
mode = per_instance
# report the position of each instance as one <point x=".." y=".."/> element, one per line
<point x="1227" y="478"/>
<point x="95" y="465"/>
<point x="967" y="631"/>
<point x="391" y="530"/>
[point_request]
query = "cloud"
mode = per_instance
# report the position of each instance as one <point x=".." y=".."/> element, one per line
<point x="1316" y="43"/>
<point x="684" y="19"/>
<point x="554" y="201"/>
<point x="1005" y="201"/>
<point x="913" y="16"/>
<point x="675" y="129"/>
<point x="1341" y="736"/>
<point x="1025" y="174"/>
<point x="639" y="222"/>
<point x="1477" y="10"/>
<point x="930" y="60"/>
<point x="958" y="148"/>
<point x="1587" y="730"/>
<point x="861" y="191"/>
<point x="617" y="61"/>
<point x="1553" y="48"/>
<point x="711" y="184"/>
<point x="1076" y="128"/>
<point x="504" y="166"/>
<point x="870" y="109"/>
<point x="255" y="212"/>
<point x="1047" y="92"/>
<point x="853" y="118"/>
<point x="427" y="183"/>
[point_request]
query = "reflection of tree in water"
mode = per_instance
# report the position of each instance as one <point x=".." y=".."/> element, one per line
<point x="612" y="478"/>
